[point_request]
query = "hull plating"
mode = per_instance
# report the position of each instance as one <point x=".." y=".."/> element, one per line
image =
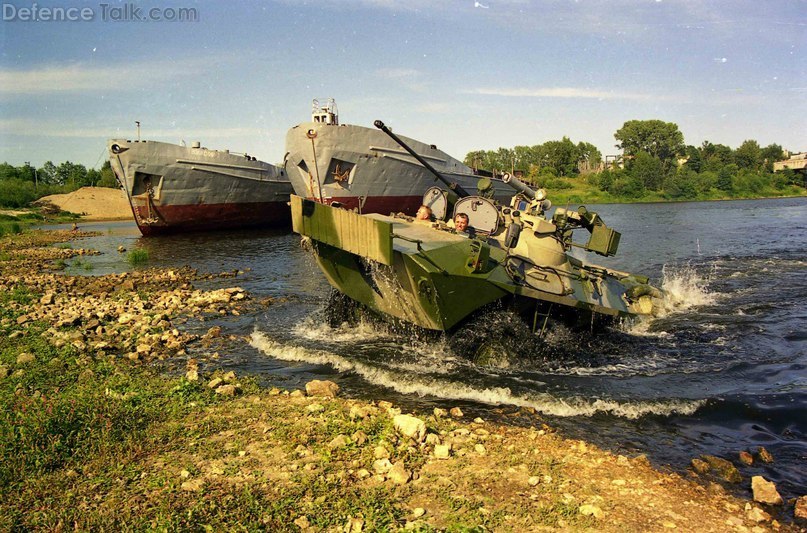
<point x="363" y="168"/>
<point x="175" y="188"/>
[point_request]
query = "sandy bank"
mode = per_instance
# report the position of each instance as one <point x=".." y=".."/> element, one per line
<point x="93" y="203"/>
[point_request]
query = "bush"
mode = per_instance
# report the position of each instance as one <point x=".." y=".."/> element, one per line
<point x="16" y="193"/>
<point x="138" y="256"/>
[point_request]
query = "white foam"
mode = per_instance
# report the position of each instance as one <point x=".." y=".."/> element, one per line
<point x="408" y="383"/>
<point x="684" y="288"/>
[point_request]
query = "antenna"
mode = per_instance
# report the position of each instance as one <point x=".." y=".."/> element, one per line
<point x="138" y="129"/>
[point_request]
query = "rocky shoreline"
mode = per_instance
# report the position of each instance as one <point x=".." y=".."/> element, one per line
<point x="95" y="434"/>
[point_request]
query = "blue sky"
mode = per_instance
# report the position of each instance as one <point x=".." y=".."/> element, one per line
<point x="461" y="74"/>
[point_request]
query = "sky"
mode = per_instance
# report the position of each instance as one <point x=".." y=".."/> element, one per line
<point x="464" y="74"/>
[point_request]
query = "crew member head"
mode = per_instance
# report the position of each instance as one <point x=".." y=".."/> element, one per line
<point x="461" y="222"/>
<point x="424" y="213"/>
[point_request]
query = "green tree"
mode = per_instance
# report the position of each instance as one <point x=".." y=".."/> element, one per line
<point x="748" y="155"/>
<point x="561" y="156"/>
<point x="694" y="158"/>
<point x="108" y="176"/>
<point x="588" y="155"/>
<point x="48" y="174"/>
<point x="725" y="177"/>
<point x="659" y="139"/>
<point x="771" y="154"/>
<point x="649" y="170"/>
<point x="8" y="172"/>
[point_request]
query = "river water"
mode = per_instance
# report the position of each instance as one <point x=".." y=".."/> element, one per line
<point x="724" y="370"/>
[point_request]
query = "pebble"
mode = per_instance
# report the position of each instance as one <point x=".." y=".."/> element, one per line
<point x="764" y="455"/>
<point x="410" y="427"/>
<point x="398" y="474"/>
<point x="533" y="481"/>
<point x="417" y="512"/>
<point x="765" y="491"/>
<point x="800" y="509"/>
<point x="746" y="458"/>
<point x="442" y="451"/>
<point x="590" y="510"/>
<point x="456" y="412"/>
<point x="215" y="382"/>
<point x="326" y="389"/>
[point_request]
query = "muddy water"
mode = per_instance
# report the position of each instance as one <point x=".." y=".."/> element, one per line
<point x="724" y="370"/>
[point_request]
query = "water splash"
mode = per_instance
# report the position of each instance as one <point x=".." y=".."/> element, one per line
<point x="408" y="381"/>
<point x="684" y="287"/>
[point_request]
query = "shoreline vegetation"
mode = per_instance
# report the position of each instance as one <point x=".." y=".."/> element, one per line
<point x="115" y="416"/>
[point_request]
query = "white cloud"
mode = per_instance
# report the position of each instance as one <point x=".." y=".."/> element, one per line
<point x="397" y="73"/>
<point x="33" y="128"/>
<point x="565" y="92"/>
<point x="81" y="78"/>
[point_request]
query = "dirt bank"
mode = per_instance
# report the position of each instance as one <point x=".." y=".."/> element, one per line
<point x="96" y="435"/>
<point x="93" y="203"/>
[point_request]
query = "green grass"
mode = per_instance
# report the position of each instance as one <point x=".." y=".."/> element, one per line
<point x="81" y="263"/>
<point x="138" y="256"/>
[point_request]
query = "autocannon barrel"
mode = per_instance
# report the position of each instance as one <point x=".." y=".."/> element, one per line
<point x="456" y="187"/>
<point x="519" y="185"/>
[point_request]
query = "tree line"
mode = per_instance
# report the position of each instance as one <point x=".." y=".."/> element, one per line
<point x="21" y="185"/>
<point x="655" y="163"/>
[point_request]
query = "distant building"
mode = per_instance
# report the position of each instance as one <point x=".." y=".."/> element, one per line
<point x="796" y="162"/>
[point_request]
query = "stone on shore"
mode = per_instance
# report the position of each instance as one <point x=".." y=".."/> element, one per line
<point x="398" y="474"/>
<point x="765" y="491"/>
<point x="764" y="455"/>
<point x="228" y="390"/>
<point x="215" y="382"/>
<point x="442" y="451"/>
<point x="590" y="510"/>
<point x="410" y="426"/>
<point x="700" y="466"/>
<point x="746" y="458"/>
<point x="456" y="412"/>
<point x="800" y="510"/>
<point x="724" y="468"/>
<point x="326" y="389"/>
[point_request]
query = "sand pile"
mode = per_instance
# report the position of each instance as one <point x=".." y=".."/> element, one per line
<point x="93" y="203"/>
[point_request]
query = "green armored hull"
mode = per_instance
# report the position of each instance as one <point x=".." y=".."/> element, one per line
<point x="429" y="275"/>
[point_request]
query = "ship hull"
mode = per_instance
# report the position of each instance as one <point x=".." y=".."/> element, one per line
<point x="173" y="188"/>
<point x="362" y="168"/>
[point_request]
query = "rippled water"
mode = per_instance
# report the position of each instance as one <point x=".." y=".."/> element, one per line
<point x="723" y="371"/>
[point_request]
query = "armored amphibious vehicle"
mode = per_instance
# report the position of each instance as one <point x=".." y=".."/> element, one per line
<point x="430" y="274"/>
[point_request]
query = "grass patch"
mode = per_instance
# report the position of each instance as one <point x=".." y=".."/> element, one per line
<point x="81" y="263"/>
<point x="138" y="256"/>
<point x="10" y="228"/>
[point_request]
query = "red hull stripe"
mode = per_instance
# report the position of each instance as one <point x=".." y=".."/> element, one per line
<point x="179" y="218"/>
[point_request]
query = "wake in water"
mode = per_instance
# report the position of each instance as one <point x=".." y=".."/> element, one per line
<point x="419" y="381"/>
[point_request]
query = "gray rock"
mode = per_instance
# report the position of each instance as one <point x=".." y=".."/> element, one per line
<point x="765" y="491"/>
<point x="410" y="426"/>
<point x="327" y="389"/>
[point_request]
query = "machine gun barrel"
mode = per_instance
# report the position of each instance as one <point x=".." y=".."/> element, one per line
<point x="519" y="185"/>
<point x="456" y="187"/>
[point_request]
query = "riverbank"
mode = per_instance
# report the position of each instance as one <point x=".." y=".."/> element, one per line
<point x="114" y="416"/>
